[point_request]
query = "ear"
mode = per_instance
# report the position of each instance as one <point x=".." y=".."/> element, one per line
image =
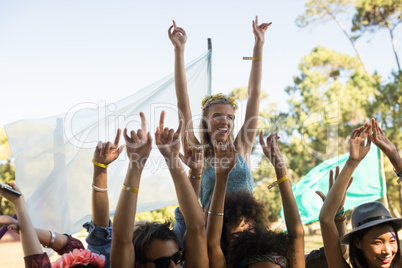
<point x="358" y="244"/>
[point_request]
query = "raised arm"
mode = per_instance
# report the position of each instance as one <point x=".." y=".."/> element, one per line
<point x="332" y="247"/>
<point x="386" y="146"/>
<point x="178" y="38"/>
<point x="195" y="244"/>
<point x="29" y="240"/>
<point x="245" y="139"/>
<point x="340" y="214"/>
<point x="105" y="154"/>
<point x="291" y="212"/>
<point x="225" y="160"/>
<point x="194" y="158"/>
<point x="138" y="146"/>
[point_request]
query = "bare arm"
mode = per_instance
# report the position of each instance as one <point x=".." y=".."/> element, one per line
<point x="139" y="146"/>
<point x="225" y="160"/>
<point x="29" y="240"/>
<point x="194" y="158"/>
<point x="105" y="154"/>
<point x="195" y="244"/>
<point x="178" y="38"/>
<point x="291" y="212"/>
<point x="339" y="220"/>
<point x="245" y="139"/>
<point x="329" y="231"/>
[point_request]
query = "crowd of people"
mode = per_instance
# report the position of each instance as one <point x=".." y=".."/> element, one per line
<point x="219" y="223"/>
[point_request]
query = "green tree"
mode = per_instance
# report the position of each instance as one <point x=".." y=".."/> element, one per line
<point x="374" y="15"/>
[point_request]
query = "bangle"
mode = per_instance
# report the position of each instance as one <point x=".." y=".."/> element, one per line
<point x="131" y="189"/>
<point x="340" y="218"/>
<point x="340" y="213"/>
<point x="99" y="164"/>
<point x="252" y="58"/>
<point x="195" y="177"/>
<point x="284" y="178"/>
<point x="52" y="238"/>
<point x="99" y="189"/>
<point x="215" y="214"/>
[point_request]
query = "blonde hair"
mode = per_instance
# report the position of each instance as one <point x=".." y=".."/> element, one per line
<point x="207" y="103"/>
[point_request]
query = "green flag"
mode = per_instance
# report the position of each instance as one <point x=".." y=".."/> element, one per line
<point x="366" y="186"/>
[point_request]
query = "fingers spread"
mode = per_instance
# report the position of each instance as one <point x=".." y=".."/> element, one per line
<point x="321" y="194"/>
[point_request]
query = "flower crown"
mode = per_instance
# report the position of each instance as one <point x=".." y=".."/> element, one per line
<point x="79" y="256"/>
<point x="210" y="98"/>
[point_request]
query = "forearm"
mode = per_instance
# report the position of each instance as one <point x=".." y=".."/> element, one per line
<point x="254" y="84"/>
<point x="290" y="209"/>
<point x="196" y="183"/>
<point x="45" y="236"/>
<point x="186" y="196"/>
<point x="215" y="223"/>
<point x="100" y="200"/>
<point x="126" y="207"/>
<point x="29" y="240"/>
<point x="395" y="160"/>
<point x="334" y="197"/>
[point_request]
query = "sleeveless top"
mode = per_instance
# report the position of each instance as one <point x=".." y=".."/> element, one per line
<point x="240" y="178"/>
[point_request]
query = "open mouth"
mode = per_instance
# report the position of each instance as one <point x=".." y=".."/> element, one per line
<point x="223" y="130"/>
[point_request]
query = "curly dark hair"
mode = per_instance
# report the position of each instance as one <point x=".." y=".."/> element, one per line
<point x="259" y="241"/>
<point x="243" y="206"/>
<point x="146" y="232"/>
<point x="356" y="255"/>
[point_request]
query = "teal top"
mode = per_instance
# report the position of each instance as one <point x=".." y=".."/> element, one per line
<point x="240" y="178"/>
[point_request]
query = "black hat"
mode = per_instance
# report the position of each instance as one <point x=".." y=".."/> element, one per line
<point x="369" y="215"/>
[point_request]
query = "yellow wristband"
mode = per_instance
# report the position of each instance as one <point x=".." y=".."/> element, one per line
<point x="99" y="164"/>
<point x="252" y="58"/>
<point x="131" y="189"/>
<point x="284" y="178"/>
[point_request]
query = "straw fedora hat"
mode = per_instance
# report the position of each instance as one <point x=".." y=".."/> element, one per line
<point x="369" y="215"/>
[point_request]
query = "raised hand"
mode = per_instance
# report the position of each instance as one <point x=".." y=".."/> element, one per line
<point x="259" y="30"/>
<point x="167" y="140"/>
<point x="193" y="156"/>
<point x="225" y="157"/>
<point x="380" y="140"/>
<point x="331" y="182"/>
<point x="138" y="145"/>
<point x="12" y="224"/>
<point x="358" y="150"/>
<point x="105" y="153"/>
<point x="178" y="36"/>
<point x="10" y="196"/>
<point x="271" y="150"/>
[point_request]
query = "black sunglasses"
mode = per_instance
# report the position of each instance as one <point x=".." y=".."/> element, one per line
<point x="164" y="262"/>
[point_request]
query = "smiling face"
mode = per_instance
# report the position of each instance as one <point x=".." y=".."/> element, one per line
<point x="379" y="246"/>
<point x="221" y="120"/>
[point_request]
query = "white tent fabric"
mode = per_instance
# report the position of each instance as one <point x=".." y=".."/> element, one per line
<point x="53" y="155"/>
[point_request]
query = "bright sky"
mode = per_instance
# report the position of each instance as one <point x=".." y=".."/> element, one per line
<point x="56" y="54"/>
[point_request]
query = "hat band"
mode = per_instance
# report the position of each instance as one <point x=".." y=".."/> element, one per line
<point x="373" y="219"/>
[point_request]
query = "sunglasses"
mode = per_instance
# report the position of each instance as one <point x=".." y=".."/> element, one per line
<point x="164" y="262"/>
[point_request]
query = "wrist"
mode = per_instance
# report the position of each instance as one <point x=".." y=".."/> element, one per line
<point x="179" y="50"/>
<point x="195" y="172"/>
<point x="396" y="160"/>
<point x="352" y="163"/>
<point x="259" y="43"/>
